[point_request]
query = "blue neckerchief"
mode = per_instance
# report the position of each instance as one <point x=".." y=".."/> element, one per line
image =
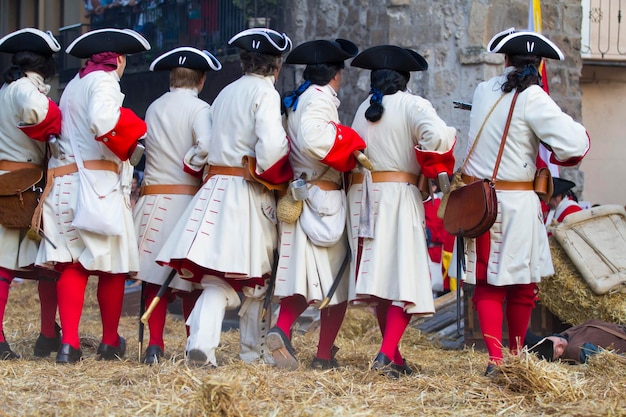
<point x="377" y="96"/>
<point x="291" y="100"/>
<point x="528" y="70"/>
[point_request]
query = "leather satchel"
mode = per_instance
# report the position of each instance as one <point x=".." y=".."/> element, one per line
<point x="471" y="210"/>
<point x="19" y="196"/>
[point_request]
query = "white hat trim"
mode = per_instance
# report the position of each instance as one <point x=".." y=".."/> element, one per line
<point x="530" y="45"/>
<point x="47" y="36"/>
<point x="130" y="32"/>
<point x="499" y="34"/>
<point x="266" y="33"/>
<point x="210" y="59"/>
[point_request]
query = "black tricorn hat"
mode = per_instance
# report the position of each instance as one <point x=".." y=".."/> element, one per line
<point x="121" y="41"/>
<point x="514" y="42"/>
<point x="322" y="52"/>
<point x="186" y="57"/>
<point x="30" y="39"/>
<point x="544" y="349"/>
<point x="390" y="57"/>
<point x="561" y="186"/>
<point x="262" y="40"/>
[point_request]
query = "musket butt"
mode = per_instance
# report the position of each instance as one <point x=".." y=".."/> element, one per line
<point x="324" y="303"/>
<point x="363" y="160"/>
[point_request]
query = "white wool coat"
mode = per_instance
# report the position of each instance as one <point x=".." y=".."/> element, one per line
<point x="394" y="263"/>
<point x="519" y="252"/>
<point x="22" y="101"/>
<point x="179" y="130"/>
<point x="305" y="268"/>
<point x="91" y="108"/>
<point x="230" y="225"/>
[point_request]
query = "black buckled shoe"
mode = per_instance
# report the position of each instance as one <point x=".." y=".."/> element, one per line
<point x="325" y="364"/>
<point x="111" y="353"/>
<point x="153" y="355"/>
<point x="44" y="346"/>
<point x="492" y="370"/>
<point x="67" y="354"/>
<point x="383" y="365"/>
<point x="282" y="351"/>
<point x="403" y="369"/>
<point x="6" y="354"/>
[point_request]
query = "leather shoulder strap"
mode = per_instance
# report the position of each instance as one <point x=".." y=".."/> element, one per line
<point x="504" y="135"/>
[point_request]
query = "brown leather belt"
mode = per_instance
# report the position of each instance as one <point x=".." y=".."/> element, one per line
<point x="232" y="171"/>
<point x="14" y="166"/>
<point x="169" y="189"/>
<point x="387" y="176"/>
<point x="420" y="181"/>
<point x="503" y="185"/>
<point x="325" y="185"/>
<point x="96" y="165"/>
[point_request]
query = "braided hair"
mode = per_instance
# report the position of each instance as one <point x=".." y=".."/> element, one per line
<point x="384" y="82"/>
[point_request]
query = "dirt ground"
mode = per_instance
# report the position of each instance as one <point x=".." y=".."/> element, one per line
<point x="447" y="382"/>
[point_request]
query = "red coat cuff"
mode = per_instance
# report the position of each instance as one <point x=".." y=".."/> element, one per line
<point x="571" y="161"/>
<point x="123" y="138"/>
<point x="193" y="172"/>
<point x="51" y="125"/>
<point x="340" y="156"/>
<point x="278" y="173"/>
<point x="432" y="163"/>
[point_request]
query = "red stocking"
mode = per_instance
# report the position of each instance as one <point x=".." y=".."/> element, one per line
<point x="381" y="315"/>
<point x="519" y="306"/>
<point x="71" y="295"/>
<point x="488" y="302"/>
<point x="156" y="322"/>
<point x="5" y="282"/>
<point x="397" y="320"/>
<point x="110" y="299"/>
<point x="290" y="309"/>
<point x="48" y="302"/>
<point x="331" y="319"/>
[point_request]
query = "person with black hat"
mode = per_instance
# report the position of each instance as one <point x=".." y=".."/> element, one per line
<point x="98" y="137"/>
<point x="506" y="262"/>
<point x="405" y="138"/>
<point x="314" y="246"/>
<point x="578" y="343"/>
<point x="226" y="239"/>
<point x="179" y="129"/>
<point x="563" y="202"/>
<point x="28" y="119"/>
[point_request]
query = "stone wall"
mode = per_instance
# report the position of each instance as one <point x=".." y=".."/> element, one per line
<point x="451" y="35"/>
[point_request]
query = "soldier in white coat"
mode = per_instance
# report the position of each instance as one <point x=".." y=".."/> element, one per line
<point x="226" y="239"/>
<point x="179" y="130"/>
<point x="314" y="249"/>
<point x="507" y="262"/>
<point x="405" y="138"/>
<point x="28" y="118"/>
<point x="99" y="136"/>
